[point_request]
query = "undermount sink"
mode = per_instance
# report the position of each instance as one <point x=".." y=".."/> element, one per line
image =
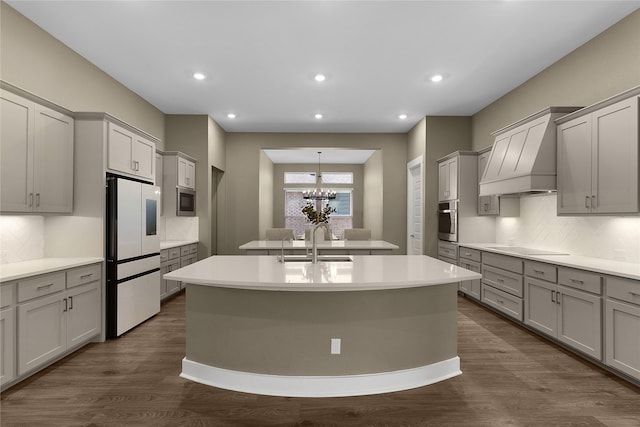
<point x="321" y="258"/>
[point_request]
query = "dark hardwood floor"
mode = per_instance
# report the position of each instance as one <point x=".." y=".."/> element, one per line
<point x="510" y="378"/>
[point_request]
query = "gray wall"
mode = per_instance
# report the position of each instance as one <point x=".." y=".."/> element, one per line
<point x="38" y="63"/>
<point x="266" y="202"/>
<point x="434" y="137"/>
<point x="198" y="136"/>
<point x="606" y="65"/>
<point x="241" y="181"/>
<point x="373" y="197"/>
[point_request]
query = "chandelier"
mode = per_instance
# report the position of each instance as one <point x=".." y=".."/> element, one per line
<point x="319" y="193"/>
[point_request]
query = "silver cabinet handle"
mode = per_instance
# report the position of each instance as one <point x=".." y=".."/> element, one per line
<point x="552" y="295"/>
<point x="37" y="199"/>
<point x="635" y="294"/>
<point x="30" y="199"/>
<point x="538" y="271"/>
<point x="44" y="286"/>
<point x="586" y="202"/>
<point x="70" y="303"/>
<point x="558" y="294"/>
<point x="499" y="280"/>
<point x="593" y="201"/>
<point x="576" y="280"/>
<point x="66" y="305"/>
<point x="86" y="276"/>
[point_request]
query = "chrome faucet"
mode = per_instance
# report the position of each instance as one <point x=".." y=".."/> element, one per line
<point x="288" y="239"/>
<point x="314" y="250"/>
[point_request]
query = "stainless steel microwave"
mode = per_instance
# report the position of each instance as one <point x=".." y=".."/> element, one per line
<point x="448" y="221"/>
<point x="185" y="202"/>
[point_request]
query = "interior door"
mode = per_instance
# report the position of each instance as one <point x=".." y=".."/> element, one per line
<point x="415" y="207"/>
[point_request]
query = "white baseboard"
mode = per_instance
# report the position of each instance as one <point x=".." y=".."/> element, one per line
<point x="320" y="386"/>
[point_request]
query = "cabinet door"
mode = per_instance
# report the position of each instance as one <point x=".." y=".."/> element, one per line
<point x="623" y="337"/>
<point x="144" y="157"/>
<point x="574" y="166"/>
<point x="53" y="161"/>
<point x="580" y="320"/>
<point x="453" y="179"/>
<point x="41" y="331"/>
<point x="443" y="181"/>
<point x="16" y="153"/>
<point x="173" y="285"/>
<point x="83" y="314"/>
<point x="186" y="173"/>
<point x="540" y="306"/>
<point x="7" y="345"/>
<point x="120" y="149"/>
<point x="615" y="158"/>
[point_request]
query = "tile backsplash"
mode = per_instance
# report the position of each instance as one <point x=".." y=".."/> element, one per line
<point x="615" y="238"/>
<point x="21" y="238"/>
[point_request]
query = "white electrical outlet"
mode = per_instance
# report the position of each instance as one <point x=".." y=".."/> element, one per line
<point x="335" y="345"/>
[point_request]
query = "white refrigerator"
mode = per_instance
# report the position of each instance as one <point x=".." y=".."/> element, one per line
<point x="133" y="253"/>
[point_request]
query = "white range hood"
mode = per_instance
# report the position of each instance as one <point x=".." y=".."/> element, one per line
<point x="523" y="157"/>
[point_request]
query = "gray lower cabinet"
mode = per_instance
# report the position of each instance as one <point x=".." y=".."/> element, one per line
<point x="622" y="320"/>
<point x="56" y="313"/>
<point x="172" y="259"/>
<point x="501" y="286"/>
<point x="7" y="334"/>
<point x="571" y="316"/>
<point x="470" y="259"/>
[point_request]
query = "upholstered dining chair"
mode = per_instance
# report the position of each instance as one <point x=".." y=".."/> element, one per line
<point x="357" y="234"/>
<point x="280" y="233"/>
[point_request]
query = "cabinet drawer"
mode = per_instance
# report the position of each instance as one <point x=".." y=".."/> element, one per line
<point x="583" y="280"/>
<point x="82" y="275"/>
<point x="164" y="255"/>
<point x="40" y="285"/>
<point x="503" y="280"/>
<point x="472" y="254"/>
<point x="185" y="250"/>
<point x="503" y="261"/>
<point x="448" y="250"/>
<point x="188" y="260"/>
<point x="174" y="253"/>
<point x="7" y="292"/>
<point x="541" y="271"/>
<point x="470" y="265"/>
<point x="193" y="248"/>
<point x="502" y="301"/>
<point x="623" y="289"/>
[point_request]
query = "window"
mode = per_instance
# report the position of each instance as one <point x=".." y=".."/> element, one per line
<point x="339" y="220"/>
<point x="337" y="177"/>
<point x="299" y="178"/>
<point x="342" y="203"/>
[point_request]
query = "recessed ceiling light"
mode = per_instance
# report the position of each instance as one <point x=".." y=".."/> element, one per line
<point x="320" y="77"/>
<point x="402" y="116"/>
<point x="436" y="78"/>
<point x="318" y="116"/>
<point x="199" y="76"/>
<point x="231" y="116"/>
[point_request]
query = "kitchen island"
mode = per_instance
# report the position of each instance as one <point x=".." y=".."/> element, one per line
<point x="366" y="325"/>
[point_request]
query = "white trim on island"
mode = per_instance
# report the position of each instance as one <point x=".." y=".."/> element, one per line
<point x="320" y="386"/>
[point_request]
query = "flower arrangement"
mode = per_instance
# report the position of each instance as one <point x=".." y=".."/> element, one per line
<point x="316" y="217"/>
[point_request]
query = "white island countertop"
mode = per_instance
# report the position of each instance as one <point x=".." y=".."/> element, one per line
<point x="326" y="244"/>
<point x="363" y="273"/>
<point x="629" y="270"/>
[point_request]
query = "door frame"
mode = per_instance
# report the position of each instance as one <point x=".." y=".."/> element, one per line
<point x="417" y="162"/>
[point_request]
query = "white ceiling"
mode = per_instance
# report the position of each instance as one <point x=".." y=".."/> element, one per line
<point x="260" y="56"/>
<point x="327" y="156"/>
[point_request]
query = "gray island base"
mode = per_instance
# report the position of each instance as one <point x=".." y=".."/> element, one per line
<point x="340" y="330"/>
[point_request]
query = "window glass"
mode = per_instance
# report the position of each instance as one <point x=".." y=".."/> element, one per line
<point x="299" y="178"/>
<point x="337" y="177"/>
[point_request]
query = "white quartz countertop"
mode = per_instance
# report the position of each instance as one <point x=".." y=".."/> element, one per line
<point x="600" y="265"/>
<point x="20" y="270"/>
<point x="327" y="244"/>
<point x="168" y="244"/>
<point x="366" y="272"/>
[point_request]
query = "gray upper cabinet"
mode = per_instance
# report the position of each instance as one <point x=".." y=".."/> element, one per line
<point x="36" y="157"/>
<point x="487" y="205"/>
<point x="448" y="179"/>
<point x="130" y="153"/>
<point x="598" y="159"/>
